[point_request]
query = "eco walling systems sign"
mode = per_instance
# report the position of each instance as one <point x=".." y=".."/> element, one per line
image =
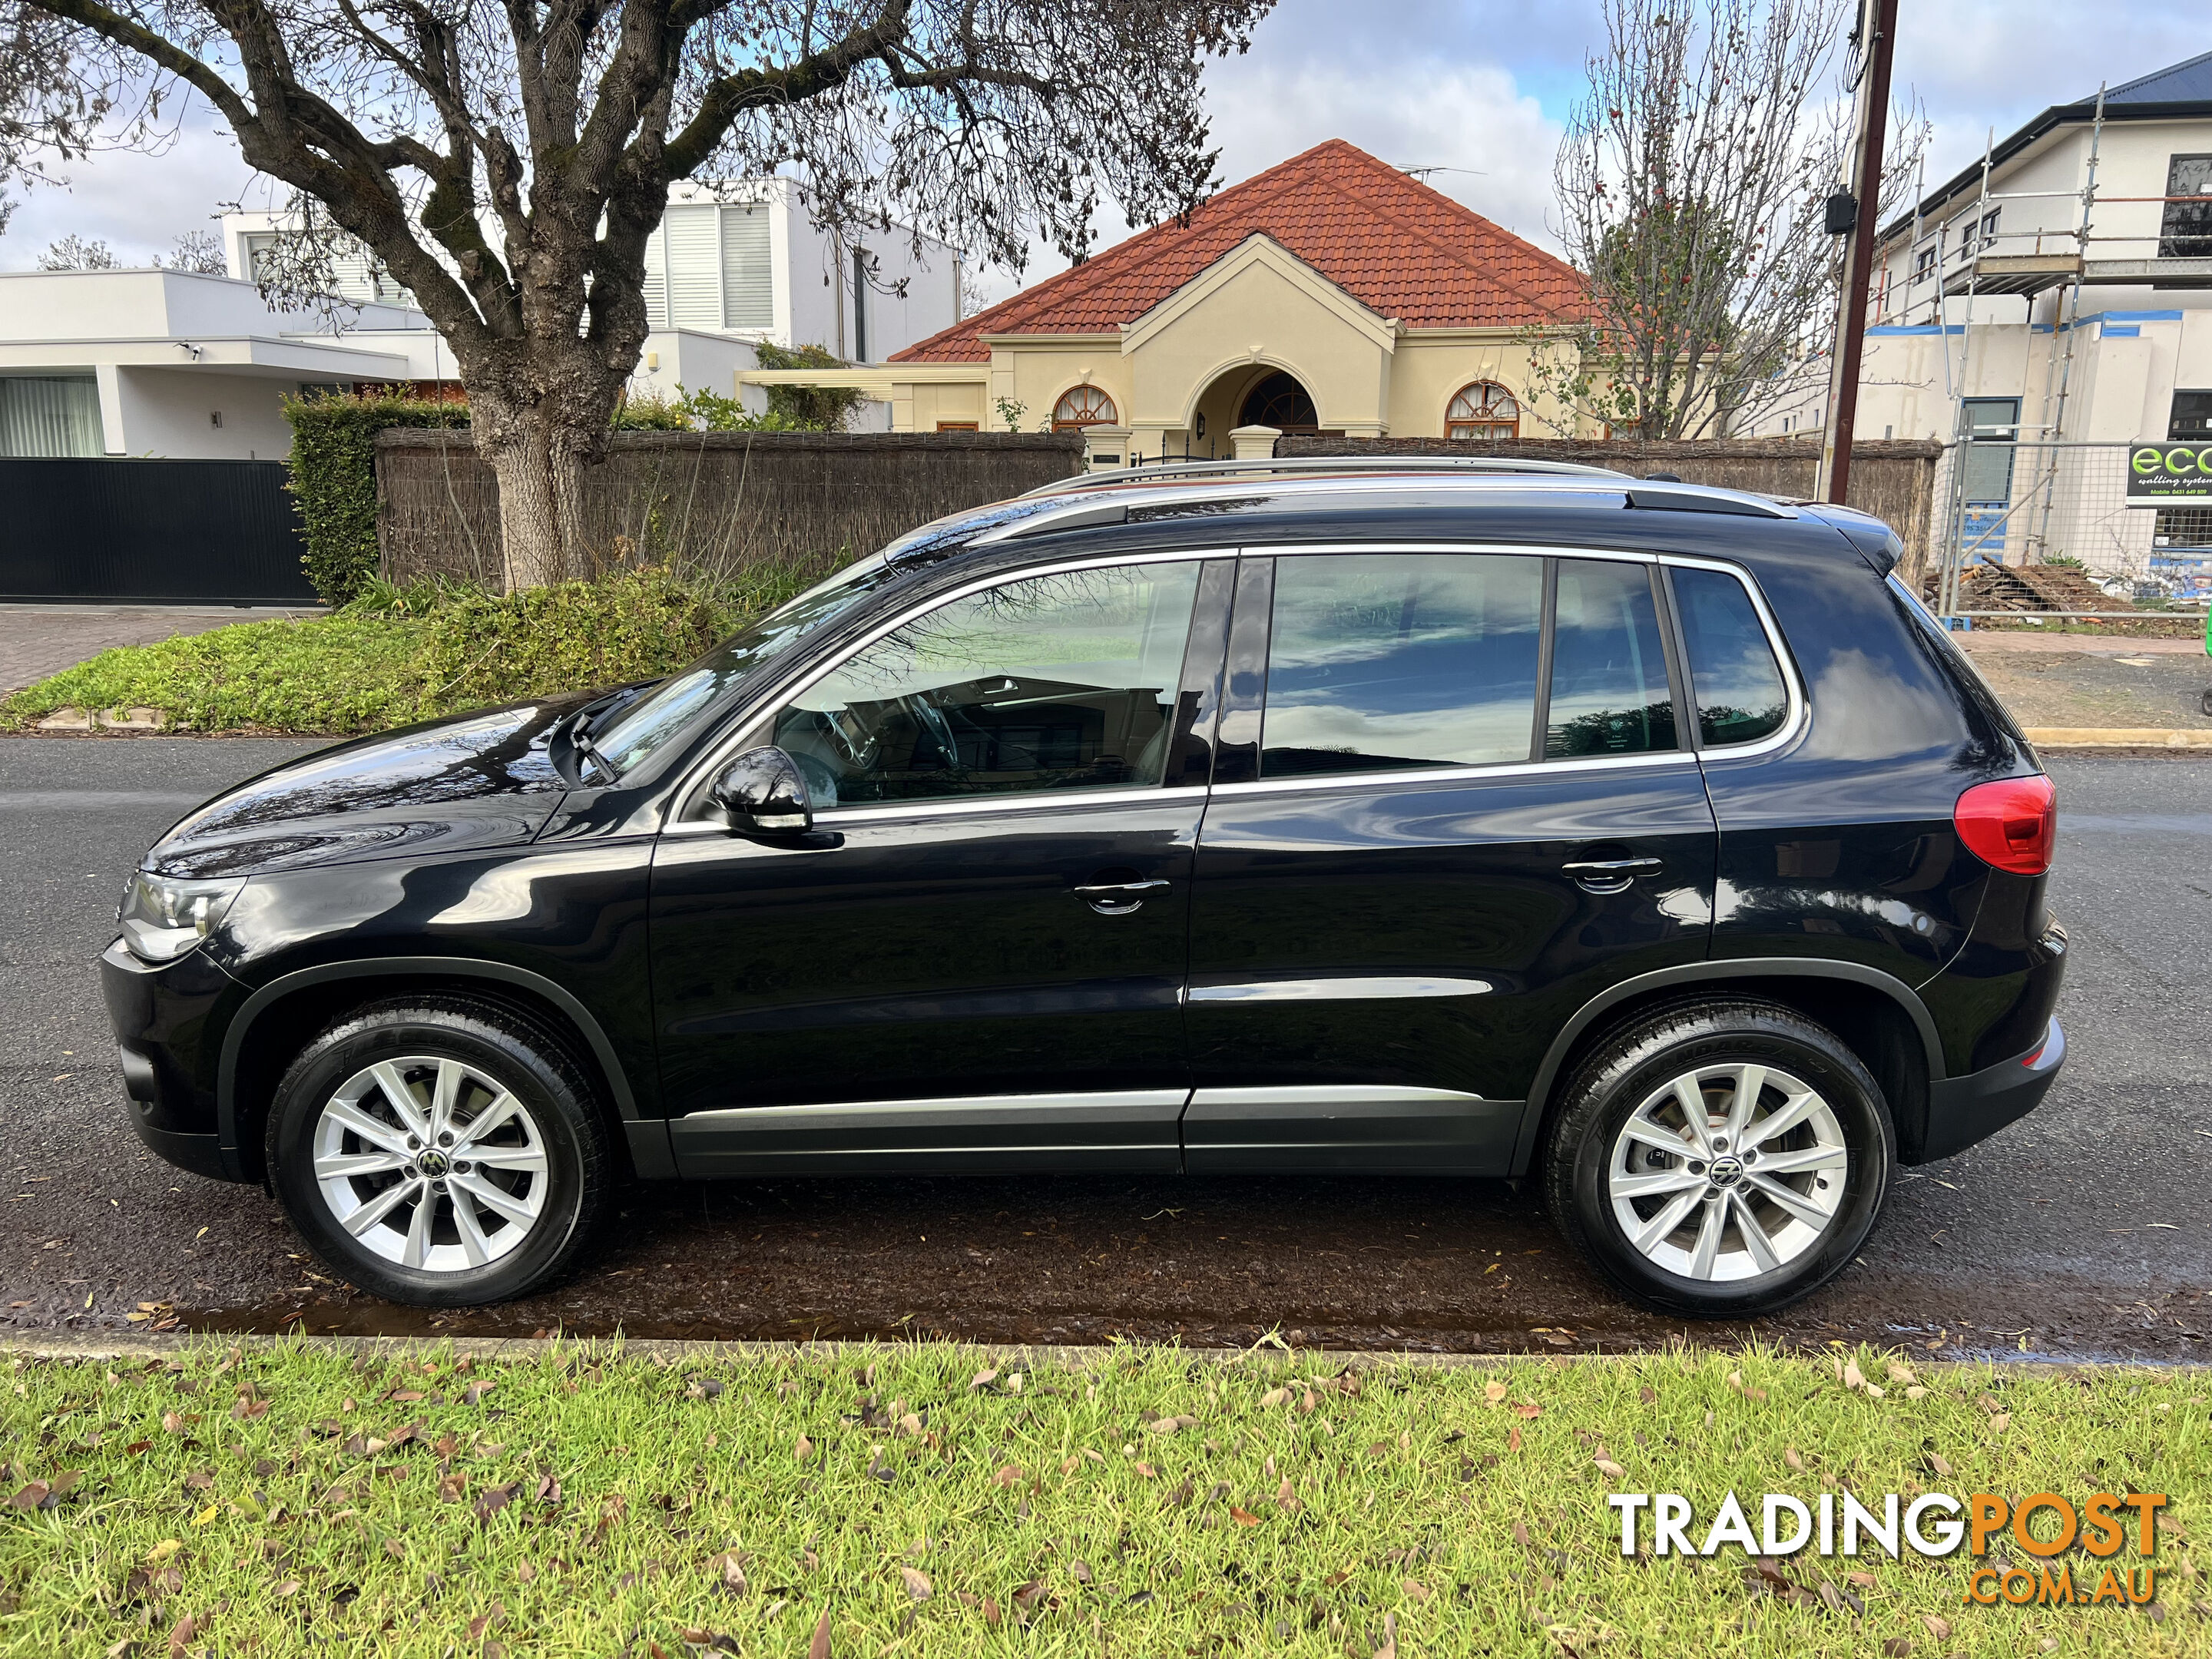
<point x="2161" y="473"/>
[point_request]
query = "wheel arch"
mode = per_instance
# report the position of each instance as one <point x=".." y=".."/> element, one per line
<point x="1878" y="1016"/>
<point x="308" y="998"/>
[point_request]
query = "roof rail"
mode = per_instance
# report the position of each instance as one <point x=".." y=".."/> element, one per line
<point x="1170" y="471"/>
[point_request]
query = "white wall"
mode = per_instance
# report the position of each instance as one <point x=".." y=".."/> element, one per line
<point x="164" y="413"/>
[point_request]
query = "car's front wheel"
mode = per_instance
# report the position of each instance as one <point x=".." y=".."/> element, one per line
<point x="441" y="1152"/>
<point x="1720" y="1159"/>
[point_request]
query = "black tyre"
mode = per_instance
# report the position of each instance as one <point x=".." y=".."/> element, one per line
<point x="440" y="1150"/>
<point x="2204" y="701"/>
<point x="1720" y="1159"/>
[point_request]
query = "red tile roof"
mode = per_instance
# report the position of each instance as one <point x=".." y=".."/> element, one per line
<point x="1399" y="248"/>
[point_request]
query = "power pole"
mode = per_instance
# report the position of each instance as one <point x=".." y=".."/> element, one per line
<point x="1877" y="39"/>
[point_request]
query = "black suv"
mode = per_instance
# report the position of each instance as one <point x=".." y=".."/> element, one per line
<point x="1647" y="840"/>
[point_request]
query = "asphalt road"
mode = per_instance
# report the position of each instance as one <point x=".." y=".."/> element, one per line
<point x="2084" y="1232"/>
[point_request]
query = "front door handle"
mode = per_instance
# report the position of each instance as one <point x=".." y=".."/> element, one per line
<point x="1116" y="898"/>
<point x="1608" y="875"/>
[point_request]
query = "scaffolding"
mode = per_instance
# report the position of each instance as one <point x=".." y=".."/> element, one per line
<point x="2061" y="493"/>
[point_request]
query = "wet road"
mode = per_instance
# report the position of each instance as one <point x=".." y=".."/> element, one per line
<point x="2084" y="1232"/>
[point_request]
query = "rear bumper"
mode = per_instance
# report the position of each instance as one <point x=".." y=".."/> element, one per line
<point x="1962" y="1111"/>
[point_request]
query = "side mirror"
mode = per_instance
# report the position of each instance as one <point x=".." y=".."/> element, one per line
<point x="762" y="793"/>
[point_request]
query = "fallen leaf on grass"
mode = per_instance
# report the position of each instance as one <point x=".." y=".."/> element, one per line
<point x="161" y="1552"/>
<point x="1606" y="1466"/>
<point x="1273" y="1398"/>
<point x="1527" y="1413"/>
<point x="1938" y="1627"/>
<point x="802" y="1449"/>
<point x="819" y="1647"/>
<point x="492" y="1499"/>
<point x="1009" y="1476"/>
<point x="1897" y="1647"/>
<point x="1417" y="1589"/>
<point x="1493" y="1393"/>
<point x="917" y="1583"/>
<point x="730" y="1571"/>
<point x="1243" y="1517"/>
<point x="984" y="1378"/>
<point x="493" y="1615"/>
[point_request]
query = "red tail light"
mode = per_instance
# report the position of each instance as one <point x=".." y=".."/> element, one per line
<point x="2011" y="824"/>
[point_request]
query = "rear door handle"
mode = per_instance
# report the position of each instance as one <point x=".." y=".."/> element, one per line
<point x="1116" y="898"/>
<point x="1608" y="875"/>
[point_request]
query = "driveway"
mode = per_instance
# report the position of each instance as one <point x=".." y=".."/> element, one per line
<point x="39" y="640"/>
<point x="2086" y="1231"/>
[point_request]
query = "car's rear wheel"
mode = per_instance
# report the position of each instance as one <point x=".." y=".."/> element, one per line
<point x="1721" y="1159"/>
<point x="440" y="1152"/>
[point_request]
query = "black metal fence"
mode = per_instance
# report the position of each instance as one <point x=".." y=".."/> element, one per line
<point x="147" y="531"/>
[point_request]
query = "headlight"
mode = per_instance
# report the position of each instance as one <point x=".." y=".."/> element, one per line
<point x="163" y="918"/>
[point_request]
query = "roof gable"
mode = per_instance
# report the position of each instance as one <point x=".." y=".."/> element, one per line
<point x="1399" y="248"/>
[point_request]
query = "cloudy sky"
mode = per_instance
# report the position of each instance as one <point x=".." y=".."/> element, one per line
<point x="1481" y="87"/>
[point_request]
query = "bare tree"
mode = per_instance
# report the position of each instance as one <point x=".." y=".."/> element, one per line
<point x="196" y="250"/>
<point x="74" y="253"/>
<point x="1692" y="181"/>
<point x="505" y="161"/>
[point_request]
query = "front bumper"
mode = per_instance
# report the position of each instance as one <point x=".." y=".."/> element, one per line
<point x="1962" y="1111"/>
<point x="167" y="1021"/>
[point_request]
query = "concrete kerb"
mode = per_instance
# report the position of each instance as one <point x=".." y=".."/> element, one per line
<point x="2146" y="739"/>
<point x="672" y="1355"/>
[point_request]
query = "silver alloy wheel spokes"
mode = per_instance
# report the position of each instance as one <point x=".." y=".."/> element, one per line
<point x="431" y="1164"/>
<point x="1728" y="1172"/>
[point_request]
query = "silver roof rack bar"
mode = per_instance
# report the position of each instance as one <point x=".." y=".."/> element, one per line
<point x="1170" y="471"/>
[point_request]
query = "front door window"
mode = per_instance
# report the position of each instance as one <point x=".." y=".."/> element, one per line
<point x="1062" y="681"/>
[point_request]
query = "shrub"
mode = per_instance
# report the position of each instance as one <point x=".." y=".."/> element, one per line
<point x="808" y="408"/>
<point x="333" y="464"/>
<point x="567" y="637"/>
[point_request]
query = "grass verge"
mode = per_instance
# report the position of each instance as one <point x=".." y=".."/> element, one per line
<point x="284" y="1499"/>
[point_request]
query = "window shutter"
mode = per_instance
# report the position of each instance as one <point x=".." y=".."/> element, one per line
<point x="656" y="278"/>
<point x="695" y="277"/>
<point x="747" y="284"/>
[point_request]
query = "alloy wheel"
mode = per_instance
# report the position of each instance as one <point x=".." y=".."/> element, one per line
<point x="1727" y="1172"/>
<point x="431" y="1164"/>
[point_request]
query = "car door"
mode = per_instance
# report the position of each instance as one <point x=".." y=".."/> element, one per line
<point x="977" y="961"/>
<point x="1450" y="804"/>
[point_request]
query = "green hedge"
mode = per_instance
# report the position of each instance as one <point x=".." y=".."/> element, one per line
<point x="334" y="477"/>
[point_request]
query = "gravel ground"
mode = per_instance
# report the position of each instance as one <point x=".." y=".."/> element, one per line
<point x="2086" y="1231"/>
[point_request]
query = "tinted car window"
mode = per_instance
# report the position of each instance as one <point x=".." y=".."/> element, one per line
<point x="1734" y="678"/>
<point x="1609" y="694"/>
<point x="670" y="706"/>
<point x="1057" y="681"/>
<point x="1384" y="660"/>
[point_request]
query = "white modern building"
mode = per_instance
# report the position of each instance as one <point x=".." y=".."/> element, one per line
<point x="181" y="366"/>
<point x="2059" y="292"/>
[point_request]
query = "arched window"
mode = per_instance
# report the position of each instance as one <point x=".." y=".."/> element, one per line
<point x="1280" y="402"/>
<point x="1081" y="406"/>
<point x="1485" y="410"/>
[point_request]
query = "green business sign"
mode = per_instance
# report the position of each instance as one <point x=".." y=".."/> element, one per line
<point x="2159" y="473"/>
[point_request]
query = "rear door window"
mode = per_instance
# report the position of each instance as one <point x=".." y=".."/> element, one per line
<point x="1383" y="662"/>
<point x="1609" y="689"/>
<point x="1736" y="682"/>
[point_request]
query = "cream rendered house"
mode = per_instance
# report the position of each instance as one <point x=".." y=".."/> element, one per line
<point x="1332" y="293"/>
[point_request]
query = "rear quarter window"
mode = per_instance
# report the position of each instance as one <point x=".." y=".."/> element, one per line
<point x="1736" y="685"/>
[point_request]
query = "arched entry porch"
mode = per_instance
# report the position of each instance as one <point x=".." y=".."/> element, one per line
<point x="1251" y="394"/>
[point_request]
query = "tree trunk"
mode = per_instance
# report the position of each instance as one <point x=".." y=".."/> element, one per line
<point x="539" y="440"/>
